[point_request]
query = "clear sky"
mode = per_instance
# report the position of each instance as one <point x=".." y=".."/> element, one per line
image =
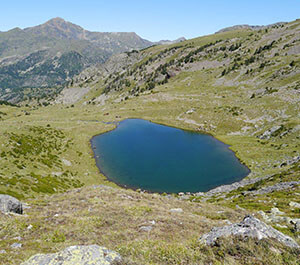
<point x="151" y="19"/>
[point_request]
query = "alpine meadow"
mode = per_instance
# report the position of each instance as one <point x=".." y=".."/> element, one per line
<point x="67" y="199"/>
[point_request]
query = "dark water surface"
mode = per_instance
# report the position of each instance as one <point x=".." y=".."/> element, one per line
<point x="158" y="158"/>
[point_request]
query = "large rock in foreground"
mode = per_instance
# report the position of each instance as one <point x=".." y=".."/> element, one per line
<point x="249" y="227"/>
<point x="10" y="204"/>
<point x="79" y="255"/>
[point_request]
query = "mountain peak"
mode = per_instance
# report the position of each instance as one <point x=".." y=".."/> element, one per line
<point x="61" y="23"/>
<point x="56" y="20"/>
<point x="58" y="28"/>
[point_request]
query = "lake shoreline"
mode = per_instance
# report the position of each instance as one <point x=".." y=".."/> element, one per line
<point x="115" y="126"/>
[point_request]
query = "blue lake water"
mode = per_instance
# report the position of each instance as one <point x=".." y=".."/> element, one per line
<point x="158" y="158"/>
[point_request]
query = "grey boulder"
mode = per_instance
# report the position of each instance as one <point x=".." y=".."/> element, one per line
<point x="10" y="204"/>
<point x="249" y="227"/>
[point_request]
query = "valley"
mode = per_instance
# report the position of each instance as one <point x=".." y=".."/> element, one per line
<point x="241" y="86"/>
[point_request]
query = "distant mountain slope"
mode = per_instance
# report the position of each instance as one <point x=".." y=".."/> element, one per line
<point x="263" y="59"/>
<point x="50" y="54"/>
<point x="168" y="42"/>
<point x="245" y="26"/>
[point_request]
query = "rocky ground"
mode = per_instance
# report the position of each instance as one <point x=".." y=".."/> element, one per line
<point x="142" y="228"/>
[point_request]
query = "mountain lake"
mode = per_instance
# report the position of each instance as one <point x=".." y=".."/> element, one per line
<point x="143" y="155"/>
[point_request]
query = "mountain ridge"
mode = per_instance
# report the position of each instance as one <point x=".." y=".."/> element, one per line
<point x="251" y="27"/>
<point x="20" y="72"/>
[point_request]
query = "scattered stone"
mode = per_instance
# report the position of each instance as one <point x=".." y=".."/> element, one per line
<point x="145" y="228"/>
<point x="124" y="196"/>
<point x="294" y="204"/>
<point x="184" y="197"/>
<point x="10" y="204"/>
<point x="249" y="227"/>
<point x="227" y="222"/>
<point x="2" y="251"/>
<point x="276" y="211"/>
<point x="16" y="245"/>
<point x="239" y="207"/>
<point x="29" y="227"/>
<point x="66" y="162"/>
<point x="190" y="111"/>
<point x="283" y="134"/>
<point x="92" y="254"/>
<point x="176" y="210"/>
<point x="103" y="187"/>
<point x="26" y="206"/>
<point x="57" y="174"/>
<point x="281" y="226"/>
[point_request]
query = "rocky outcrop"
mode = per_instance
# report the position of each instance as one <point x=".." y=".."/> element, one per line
<point x="276" y="216"/>
<point x="92" y="254"/>
<point x="275" y="130"/>
<point x="10" y="204"/>
<point x="294" y="204"/>
<point x="249" y="227"/>
<point x="292" y="161"/>
<point x="222" y="190"/>
<point x="275" y="187"/>
<point x="230" y="187"/>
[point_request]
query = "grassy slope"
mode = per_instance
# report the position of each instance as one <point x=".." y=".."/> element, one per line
<point x="114" y="218"/>
<point x="223" y="109"/>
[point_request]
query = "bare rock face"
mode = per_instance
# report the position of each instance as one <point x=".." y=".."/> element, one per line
<point x="92" y="254"/>
<point x="72" y="95"/>
<point x="249" y="227"/>
<point x="10" y="204"/>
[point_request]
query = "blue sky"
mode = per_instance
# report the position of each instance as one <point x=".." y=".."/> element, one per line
<point x="152" y="19"/>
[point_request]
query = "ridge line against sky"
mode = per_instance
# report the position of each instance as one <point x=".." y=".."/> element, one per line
<point x="154" y="19"/>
